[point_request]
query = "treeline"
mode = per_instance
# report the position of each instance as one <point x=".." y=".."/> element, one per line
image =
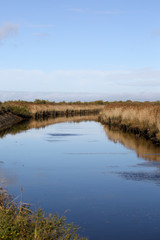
<point x="42" y="101"/>
<point x="97" y="102"/>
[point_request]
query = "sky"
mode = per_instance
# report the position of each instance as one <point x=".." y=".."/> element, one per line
<point x="98" y="47"/>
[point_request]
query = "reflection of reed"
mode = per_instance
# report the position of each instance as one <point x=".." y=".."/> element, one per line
<point x="143" y="148"/>
<point x="50" y="121"/>
<point x="26" y="125"/>
<point x="7" y="178"/>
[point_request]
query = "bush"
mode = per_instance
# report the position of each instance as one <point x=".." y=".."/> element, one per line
<point x="39" y="101"/>
<point x="21" y="111"/>
<point x="19" y="222"/>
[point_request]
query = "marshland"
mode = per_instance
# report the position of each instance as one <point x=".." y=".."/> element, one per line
<point x="96" y="163"/>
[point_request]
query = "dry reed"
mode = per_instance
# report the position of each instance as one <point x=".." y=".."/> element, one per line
<point x="140" y="118"/>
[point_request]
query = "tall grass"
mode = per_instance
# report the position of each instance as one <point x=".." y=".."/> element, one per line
<point x="141" y="118"/>
<point x="17" y="221"/>
<point x="27" y="109"/>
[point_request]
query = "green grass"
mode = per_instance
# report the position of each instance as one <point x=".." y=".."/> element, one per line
<point x="20" y="111"/>
<point x="17" y="221"/>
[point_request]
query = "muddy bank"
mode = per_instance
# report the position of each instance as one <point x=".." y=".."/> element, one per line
<point x="64" y="113"/>
<point x="7" y="120"/>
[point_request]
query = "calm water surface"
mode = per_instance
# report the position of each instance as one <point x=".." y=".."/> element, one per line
<point x="108" y="181"/>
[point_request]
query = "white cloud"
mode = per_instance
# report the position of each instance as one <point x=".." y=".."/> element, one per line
<point x="131" y="81"/>
<point x="105" y="12"/>
<point x="109" y="12"/>
<point x="78" y="96"/>
<point x="7" y="30"/>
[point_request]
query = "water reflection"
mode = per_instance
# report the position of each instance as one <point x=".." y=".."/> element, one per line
<point x="144" y="149"/>
<point x="41" y="123"/>
<point x="142" y="176"/>
<point x="105" y="185"/>
<point x="7" y="178"/>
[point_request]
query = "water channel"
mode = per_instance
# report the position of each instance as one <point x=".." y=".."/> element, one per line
<point x="105" y="181"/>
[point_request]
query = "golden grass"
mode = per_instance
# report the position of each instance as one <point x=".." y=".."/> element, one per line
<point x="34" y="108"/>
<point x="141" y="116"/>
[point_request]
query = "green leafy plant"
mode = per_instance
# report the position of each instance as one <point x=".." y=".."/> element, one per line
<point x="17" y="221"/>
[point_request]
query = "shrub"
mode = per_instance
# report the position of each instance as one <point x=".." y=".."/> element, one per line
<point x="41" y="101"/>
<point x="19" y="222"/>
<point x="21" y="111"/>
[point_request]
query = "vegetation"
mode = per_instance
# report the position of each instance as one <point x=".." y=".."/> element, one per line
<point x="21" y="111"/>
<point x="39" y="101"/>
<point x="19" y="222"/>
<point x="27" y="109"/>
<point x="43" y="101"/>
<point x="143" y="119"/>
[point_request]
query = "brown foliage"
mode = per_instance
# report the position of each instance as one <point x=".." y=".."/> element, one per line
<point x="134" y="115"/>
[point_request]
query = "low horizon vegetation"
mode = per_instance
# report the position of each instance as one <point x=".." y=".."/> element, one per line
<point x="44" y="101"/>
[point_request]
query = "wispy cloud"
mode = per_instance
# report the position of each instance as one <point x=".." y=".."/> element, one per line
<point x="7" y="30"/>
<point x="78" y="96"/>
<point x="104" y="12"/>
<point x="110" y="12"/>
<point x="81" y="80"/>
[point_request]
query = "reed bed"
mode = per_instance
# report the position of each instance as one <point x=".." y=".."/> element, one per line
<point x="142" y="119"/>
<point x="32" y="109"/>
<point x="12" y="112"/>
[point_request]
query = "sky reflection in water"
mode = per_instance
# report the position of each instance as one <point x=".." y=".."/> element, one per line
<point x="109" y="189"/>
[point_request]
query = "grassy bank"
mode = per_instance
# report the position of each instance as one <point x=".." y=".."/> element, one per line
<point x="17" y="221"/>
<point x="142" y="119"/>
<point x="42" y="108"/>
<point x="12" y="112"/>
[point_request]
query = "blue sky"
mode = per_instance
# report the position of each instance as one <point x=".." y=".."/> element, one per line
<point x="105" y="47"/>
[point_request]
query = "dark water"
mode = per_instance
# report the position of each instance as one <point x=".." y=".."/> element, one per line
<point x="107" y="181"/>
